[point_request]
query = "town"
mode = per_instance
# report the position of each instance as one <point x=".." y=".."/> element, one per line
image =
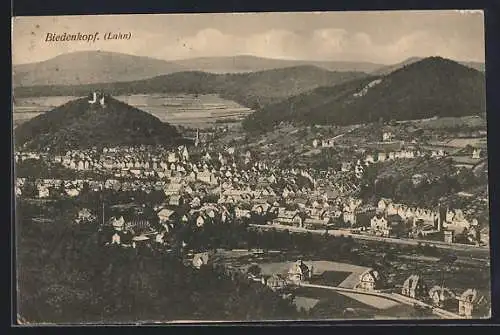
<point x="140" y="197"/>
<point x="234" y="168"/>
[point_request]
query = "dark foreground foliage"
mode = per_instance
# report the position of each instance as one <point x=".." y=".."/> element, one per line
<point x="65" y="276"/>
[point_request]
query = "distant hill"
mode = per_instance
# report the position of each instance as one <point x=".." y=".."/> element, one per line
<point x="430" y="87"/>
<point x="84" y="67"/>
<point x="391" y="68"/>
<point x="88" y="67"/>
<point x="253" y="90"/>
<point x="77" y="124"/>
<point x="246" y="63"/>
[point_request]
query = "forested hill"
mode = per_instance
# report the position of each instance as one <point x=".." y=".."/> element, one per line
<point x="431" y="87"/>
<point x="253" y="90"/>
<point x="66" y="275"/>
<point x="78" y="124"/>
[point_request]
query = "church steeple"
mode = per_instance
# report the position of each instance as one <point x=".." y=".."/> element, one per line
<point x="197" y="140"/>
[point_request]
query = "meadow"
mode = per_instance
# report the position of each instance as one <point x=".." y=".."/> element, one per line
<point x="178" y="109"/>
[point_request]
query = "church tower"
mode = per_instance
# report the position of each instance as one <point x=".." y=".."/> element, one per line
<point x="197" y="140"/>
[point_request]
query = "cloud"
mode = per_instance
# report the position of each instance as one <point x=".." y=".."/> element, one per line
<point x="319" y="44"/>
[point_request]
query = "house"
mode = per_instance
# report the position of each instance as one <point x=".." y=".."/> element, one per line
<point x="441" y="296"/>
<point x="298" y="220"/>
<point x="201" y="259"/>
<point x="171" y="157"/>
<point x="299" y="272"/>
<point x="118" y="224"/>
<point x="369" y="159"/>
<point x="160" y="238"/>
<point x="369" y="280"/>
<point x="115" y="239"/>
<point x="349" y="216"/>
<point x="382" y="157"/>
<point x="138" y="225"/>
<point x="200" y="221"/>
<point x="346" y="166"/>
<point x="276" y="282"/>
<point x="84" y="216"/>
<point x="467" y="301"/>
<point x="284" y="216"/>
<point x="414" y="287"/>
<point x="139" y="240"/>
<point x="43" y="192"/>
<point x="485" y="235"/>
<point x="175" y="200"/>
<point x="382" y="204"/>
<point x="329" y="143"/>
<point x="164" y="215"/>
<point x="387" y="136"/>
<point x="195" y="202"/>
<point x="379" y="224"/>
<point x="72" y="192"/>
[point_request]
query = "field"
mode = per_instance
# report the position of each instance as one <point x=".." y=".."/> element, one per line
<point x="27" y="108"/>
<point x="187" y="110"/>
<point x="324" y="272"/>
<point x="467" y="272"/>
<point x="447" y="122"/>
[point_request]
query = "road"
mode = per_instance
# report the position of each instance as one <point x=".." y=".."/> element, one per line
<point x="391" y="296"/>
<point x="337" y="232"/>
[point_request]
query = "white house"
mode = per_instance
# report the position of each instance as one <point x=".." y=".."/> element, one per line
<point x="467" y="301"/>
<point x="299" y="272"/>
<point x="369" y="280"/>
<point x="200" y="259"/>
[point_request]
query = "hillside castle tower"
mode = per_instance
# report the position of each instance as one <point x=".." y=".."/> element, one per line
<point x="98" y="98"/>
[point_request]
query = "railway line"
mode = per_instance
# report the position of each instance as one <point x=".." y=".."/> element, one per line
<point x="338" y="232"/>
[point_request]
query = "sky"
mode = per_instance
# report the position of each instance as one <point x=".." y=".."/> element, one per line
<point x="384" y="37"/>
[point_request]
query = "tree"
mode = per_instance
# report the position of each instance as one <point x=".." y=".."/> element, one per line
<point x="254" y="270"/>
<point x="29" y="190"/>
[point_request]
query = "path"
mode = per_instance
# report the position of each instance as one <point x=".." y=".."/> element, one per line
<point x="392" y="297"/>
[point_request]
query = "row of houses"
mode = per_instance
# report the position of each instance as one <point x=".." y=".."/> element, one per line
<point x="468" y="302"/>
<point x="371" y="280"/>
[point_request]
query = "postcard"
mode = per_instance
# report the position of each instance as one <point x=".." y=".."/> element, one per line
<point x="250" y="167"/>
